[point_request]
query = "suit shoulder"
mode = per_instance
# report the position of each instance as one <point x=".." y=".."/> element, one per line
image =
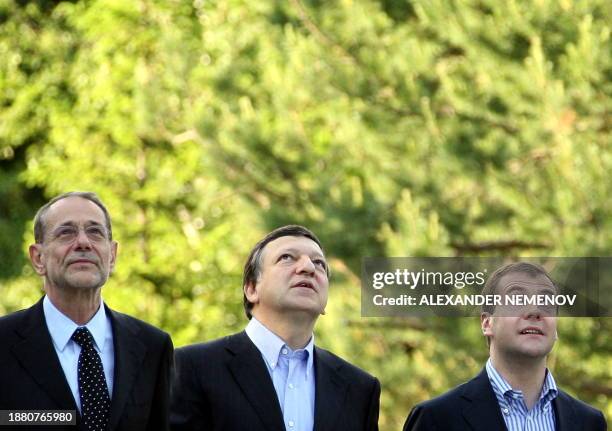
<point x="208" y="348"/>
<point x="446" y="401"/>
<point x="352" y="371"/>
<point x="208" y="357"/>
<point x="18" y="321"/>
<point x="144" y="329"/>
<point x="12" y="321"/>
<point x="581" y="407"/>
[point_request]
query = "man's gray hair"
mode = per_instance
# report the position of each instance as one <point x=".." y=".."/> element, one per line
<point x="39" y="219"/>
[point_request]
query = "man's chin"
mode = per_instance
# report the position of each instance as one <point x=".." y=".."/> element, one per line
<point x="534" y="352"/>
<point x="310" y="309"/>
<point x="84" y="283"/>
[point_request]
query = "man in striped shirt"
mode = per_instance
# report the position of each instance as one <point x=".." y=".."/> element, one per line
<point x="515" y="391"/>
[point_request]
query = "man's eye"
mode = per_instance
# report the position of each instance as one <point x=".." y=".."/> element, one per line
<point x="285" y="256"/>
<point x="321" y="263"/>
<point x="95" y="231"/>
<point x="65" y="232"/>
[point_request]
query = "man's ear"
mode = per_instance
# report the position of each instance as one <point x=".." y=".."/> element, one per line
<point x="486" y="321"/>
<point x="250" y="291"/>
<point x="37" y="258"/>
<point x="113" y="258"/>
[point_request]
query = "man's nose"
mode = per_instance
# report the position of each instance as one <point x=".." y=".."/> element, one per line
<point x="82" y="240"/>
<point x="305" y="265"/>
<point x="532" y="312"/>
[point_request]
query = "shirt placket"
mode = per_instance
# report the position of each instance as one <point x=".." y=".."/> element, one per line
<point x="516" y="411"/>
<point x="291" y="397"/>
<point x="282" y="371"/>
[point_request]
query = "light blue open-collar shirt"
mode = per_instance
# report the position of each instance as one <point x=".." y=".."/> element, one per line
<point x="292" y="373"/>
<point x="61" y="328"/>
<point x="512" y="403"/>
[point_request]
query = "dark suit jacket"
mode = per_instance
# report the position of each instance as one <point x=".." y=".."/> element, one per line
<point x="472" y="406"/>
<point x="31" y="376"/>
<point x="225" y="385"/>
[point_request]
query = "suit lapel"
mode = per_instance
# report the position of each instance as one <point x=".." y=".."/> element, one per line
<point x="129" y="355"/>
<point x="479" y="406"/>
<point x="330" y="391"/>
<point x="38" y="357"/>
<point x="249" y="370"/>
<point x="564" y="413"/>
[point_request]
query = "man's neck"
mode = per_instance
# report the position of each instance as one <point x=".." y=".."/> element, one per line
<point x="522" y="373"/>
<point x="295" y="332"/>
<point x="79" y="305"/>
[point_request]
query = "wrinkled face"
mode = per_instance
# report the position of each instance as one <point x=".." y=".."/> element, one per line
<point x="76" y="252"/>
<point x="293" y="278"/>
<point x="527" y="331"/>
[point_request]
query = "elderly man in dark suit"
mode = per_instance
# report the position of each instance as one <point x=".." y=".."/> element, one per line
<point x="271" y="376"/>
<point x="71" y="352"/>
<point x="515" y="391"/>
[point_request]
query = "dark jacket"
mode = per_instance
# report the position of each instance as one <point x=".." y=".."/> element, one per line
<point x="225" y="385"/>
<point x="31" y="377"/>
<point x="472" y="406"/>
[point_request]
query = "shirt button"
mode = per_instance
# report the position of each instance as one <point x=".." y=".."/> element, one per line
<point x="290" y="424"/>
<point x="284" y="351"/>
<point x="290" y="385"/>
<point x="505" y="410"/>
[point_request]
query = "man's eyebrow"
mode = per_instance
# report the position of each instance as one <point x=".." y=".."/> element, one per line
<point x="71" y="223"/>
<point x="513" y="287"/>
<point x="524" y="285"/>
<point x="548" y="291"/>
<point x="93" y="223"/>
<point x="296" y="251"/>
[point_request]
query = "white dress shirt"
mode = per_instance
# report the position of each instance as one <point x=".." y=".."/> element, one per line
<point x="61" y="328"/>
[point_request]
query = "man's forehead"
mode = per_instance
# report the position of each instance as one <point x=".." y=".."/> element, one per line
<point x="293" y="242"/>
<point x="522" y="280"/>
<point x="74" y="209"/>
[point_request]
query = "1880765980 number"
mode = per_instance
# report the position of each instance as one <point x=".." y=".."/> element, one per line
<point x="37" y="417"/>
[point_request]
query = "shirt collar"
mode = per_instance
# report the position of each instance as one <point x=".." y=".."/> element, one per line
<point x="270" y="344"/>
<point x="496" y="379"/>
<point x="61" y="327"/>
<point x="549" y="388"/>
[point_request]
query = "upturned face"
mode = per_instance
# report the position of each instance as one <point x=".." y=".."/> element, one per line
<point x="293" y="278"/>
<point x="526" y="331"/>
<point x="76" y="252"/>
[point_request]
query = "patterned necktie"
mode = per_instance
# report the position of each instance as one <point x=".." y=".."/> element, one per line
<point x="95" y="402"/>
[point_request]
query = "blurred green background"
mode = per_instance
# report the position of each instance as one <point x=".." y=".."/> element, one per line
<point x="389" y="127"/>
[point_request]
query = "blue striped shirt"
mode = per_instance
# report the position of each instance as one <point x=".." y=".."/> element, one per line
<point x="513" y="408"/>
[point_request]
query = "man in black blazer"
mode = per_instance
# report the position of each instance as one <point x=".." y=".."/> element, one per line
<point x="245" y="382"/>
<point x="515" y="391"/>
<point x="45" y="366"/>
<point x="473" y="406"/>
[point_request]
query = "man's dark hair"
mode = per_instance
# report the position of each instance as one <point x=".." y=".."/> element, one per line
<point x="252" y="267"/>
<point x="492" y="285"/>
<point x="39" y="219"/>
